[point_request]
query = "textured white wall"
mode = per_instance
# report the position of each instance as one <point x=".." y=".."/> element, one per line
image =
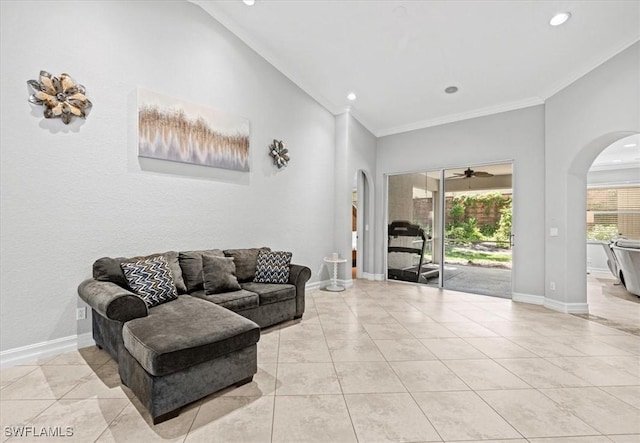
<point x="355" y="151"/>
<point x="71" y="194"/>
<point x="581" y="121"/>
<point x="362" y="157"/>
<point x="516" y="135"/>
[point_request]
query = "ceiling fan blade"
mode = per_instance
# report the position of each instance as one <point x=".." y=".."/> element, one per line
<point x="483" y="174"/>
<point x="459" y="174"/>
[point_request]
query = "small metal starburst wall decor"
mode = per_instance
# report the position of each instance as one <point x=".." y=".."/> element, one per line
<point x="61" y="97"/>
<point x="279" y="152"/>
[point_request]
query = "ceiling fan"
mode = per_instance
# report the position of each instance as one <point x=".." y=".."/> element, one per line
<point x="468" y="173"/>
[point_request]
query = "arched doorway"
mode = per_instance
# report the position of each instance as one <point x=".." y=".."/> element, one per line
<point x="362" y="229"/>
<point x="575" y="210"/>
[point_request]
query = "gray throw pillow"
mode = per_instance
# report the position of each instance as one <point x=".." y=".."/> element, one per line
<point x="151" y="280"/>
<point x="219" y="274"/>
<point x="108" y="269"/>
<point x="191" y="264"/>
<point x="245" y="260"/>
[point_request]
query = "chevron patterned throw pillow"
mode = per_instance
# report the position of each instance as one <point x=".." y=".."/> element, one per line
<point x="151" y="280"/>
<point x="273" y="267"/>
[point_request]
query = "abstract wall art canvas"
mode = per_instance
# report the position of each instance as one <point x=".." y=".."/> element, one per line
<point x="172" y="129"/>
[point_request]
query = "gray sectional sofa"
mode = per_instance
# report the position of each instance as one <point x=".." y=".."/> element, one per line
<point x="199" y="342"/>
<point x="627" y="257"/>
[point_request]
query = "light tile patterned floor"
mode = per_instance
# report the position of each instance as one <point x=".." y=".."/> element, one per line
<point x="380" y="362"/>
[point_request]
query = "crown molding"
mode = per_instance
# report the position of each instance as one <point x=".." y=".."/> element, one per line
<point x="277" y="64"/>
<point x="267" y="55"/>
<point x="590" y="67"/>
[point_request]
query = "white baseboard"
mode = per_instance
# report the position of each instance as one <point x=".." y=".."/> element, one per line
<point x="346" y="283"/>
<point x="324" y="283"/>
<point x="555" y="305"/>
<point x="599" y="271"/>
<point x="85" y="340"/>
<point x="45" y="349"/>
<point x="528" y="298"/>
<point x="315" y="285"/>
<point x="566" y="308"/>
<point x="372" y="277"/>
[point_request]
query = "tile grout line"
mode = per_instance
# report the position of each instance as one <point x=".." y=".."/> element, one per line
<point x="275" y="387"/>
<point x="114" y="420"/>
<point x="335" y="370"/>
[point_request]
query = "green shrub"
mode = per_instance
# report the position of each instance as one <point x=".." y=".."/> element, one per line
<point x="503" y="233"/>
<point x="464" y="232"/>
<point x="488" y="230"/>
<point x="456" y="213"/>
<point x="602" y="232"/>
<point x="471" y="230"/>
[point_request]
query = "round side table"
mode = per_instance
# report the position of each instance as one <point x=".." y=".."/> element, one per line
<point x="334" y="287"/>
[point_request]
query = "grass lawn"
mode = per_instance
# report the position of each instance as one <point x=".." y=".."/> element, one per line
<point x="481" y="258"/>
<point x="465" y="256"/>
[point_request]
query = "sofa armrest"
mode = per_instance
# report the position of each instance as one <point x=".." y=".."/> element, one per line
<point x="112" y="301"/>
<point x="298" y="276"/>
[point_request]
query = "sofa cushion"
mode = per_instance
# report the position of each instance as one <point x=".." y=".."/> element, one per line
<point x="272" y="267"/>
<point x="271" y="292"/>
<point x="186" y="332"/>
<point x="629" y="244"/>
<point x="191" y="264"/>
<point x="245" y="260"/>
<point x="151" y="280"/>
<point x="219" y="275"/>
<point x="235" y="300"/>
<point x="108" y="269"/>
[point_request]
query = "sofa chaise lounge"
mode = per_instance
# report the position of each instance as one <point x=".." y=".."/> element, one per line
<point x="203" y="338"/>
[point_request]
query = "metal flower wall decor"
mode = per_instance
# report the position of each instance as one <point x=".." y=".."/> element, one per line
<point x="61" y="97"/>
<point x="279" y="153"/>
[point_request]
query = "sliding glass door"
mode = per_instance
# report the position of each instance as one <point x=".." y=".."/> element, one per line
<point x="414" y="225"/>
<point x="452" y="228"/>
<point x="478" y="240"/>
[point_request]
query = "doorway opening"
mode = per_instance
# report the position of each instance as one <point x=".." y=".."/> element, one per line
<point x="452" y="228"/>
<point x="613" y="229"/>
<point x="361" y="248"/>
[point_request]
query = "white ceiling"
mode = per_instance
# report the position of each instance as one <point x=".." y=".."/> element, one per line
<point x="625" y="153"/>
<point x="398" y="56"/>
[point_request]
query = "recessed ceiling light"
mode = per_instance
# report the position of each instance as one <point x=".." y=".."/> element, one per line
<point x="249" y="2"/>
<point x="451" y="89"/>
<point x="352" y="96"/>
<point x="559" y="18"/>
<point x="631" y="145"/>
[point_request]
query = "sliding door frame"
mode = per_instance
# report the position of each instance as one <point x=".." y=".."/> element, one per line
<point x="442" y="217"/>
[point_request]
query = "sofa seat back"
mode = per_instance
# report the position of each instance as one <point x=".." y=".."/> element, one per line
<point x="234" y="300"/>
<point x="628" y="254"/>
<point x="186" y="332"/>
<point x="271" y="292"/>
